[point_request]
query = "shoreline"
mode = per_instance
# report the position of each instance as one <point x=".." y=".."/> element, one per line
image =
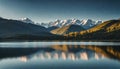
<point x="37" y="40"/>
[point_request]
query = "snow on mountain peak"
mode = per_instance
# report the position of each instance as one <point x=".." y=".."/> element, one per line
<point x="85" y="23"/>
<point x="26" y="20"/>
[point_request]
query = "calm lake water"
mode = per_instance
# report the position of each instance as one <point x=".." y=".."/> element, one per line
<point x="59" y="55"/>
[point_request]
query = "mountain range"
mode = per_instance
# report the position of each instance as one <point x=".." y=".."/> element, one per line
<point x="86" y="23"/>
<point x="60" y="30"/>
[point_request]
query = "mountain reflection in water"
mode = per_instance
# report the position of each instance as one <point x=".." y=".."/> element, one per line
<point x="62" y="52"/>
<point x="84" y="55"/>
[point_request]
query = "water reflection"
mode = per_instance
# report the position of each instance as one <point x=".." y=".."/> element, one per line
<point x="63" y="56"/>
<point x="62" y="53"/>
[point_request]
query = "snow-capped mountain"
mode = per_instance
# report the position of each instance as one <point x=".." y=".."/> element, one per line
<point x="86" y="23"/>
<point x="26" y="20"/>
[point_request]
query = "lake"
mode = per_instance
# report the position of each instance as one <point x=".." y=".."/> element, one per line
<point x="59" y="55"/>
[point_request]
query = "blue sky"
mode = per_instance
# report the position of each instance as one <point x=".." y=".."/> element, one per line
<point x="50" y="10"/>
